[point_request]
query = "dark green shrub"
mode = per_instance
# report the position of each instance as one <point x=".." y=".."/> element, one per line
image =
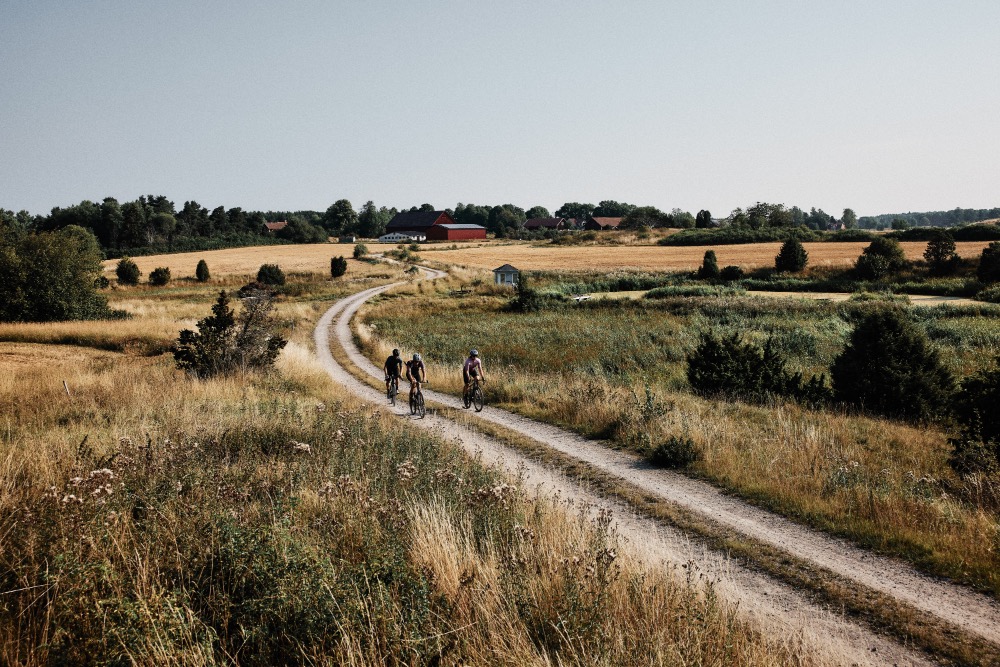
<point x="882" y="258"/>
<point x="940" y="253"/>
<point x="989" y="264"/>
<point x="102" y="282"/>
<point x="792" y="257"/>
<point x="225" y="343"/>
<point x="270" y="274"/>
<point x="338" y="267"/>
<point x="201" y="272"/>
<point x="731" y="273"/>
<point x="127" y="272"/>
<point x="360" y="251"/>
<point x="159" y="276"/>
<point x="977" y="410"/>
<point x="729" y="367"/>
<point x="890" y="368"/>
<point x="675" y="452"/>
<point x="709" y="267"/>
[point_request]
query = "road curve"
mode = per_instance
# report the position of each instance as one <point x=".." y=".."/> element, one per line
<point x="779" y="610"/>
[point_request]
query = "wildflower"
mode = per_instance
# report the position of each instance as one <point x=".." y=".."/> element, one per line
<point x="300" y="447"/>
<point x="406" y="470"/>
<point x="339" y="435"/>
<point x="321" y="407"/>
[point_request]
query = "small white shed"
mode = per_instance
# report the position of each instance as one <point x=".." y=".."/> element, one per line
<point x="505" y="275"/>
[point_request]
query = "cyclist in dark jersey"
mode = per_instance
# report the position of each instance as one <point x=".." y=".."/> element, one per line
<point x="416" y="373"/>
<point x="393" y="367"/>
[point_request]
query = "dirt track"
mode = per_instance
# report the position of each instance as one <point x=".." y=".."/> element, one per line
<point x="780" y="610"/>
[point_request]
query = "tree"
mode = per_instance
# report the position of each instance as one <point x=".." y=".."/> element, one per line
<point x="849" y="219"/>
<point x="360" y="251"/>
<point x="645" y="216"/>
<point x="575" y="211"/>
<point x="940" y="253"/>
<point x="159" y="276"/>
<point x="372" y="221"/>
<point x="201" y="272"/>
<point x="703" y="220"/>
<point x="134" y="231"/>
<point x="471" y="214"/>
<point x="48" y="276"/>
<point x="730" y="367"/>
<point x="882" y="258"/>
<point x="792" y="257"/>
<point x="299" y="231"/>
<point x="889" y="368"/>
<point x="538" y="212"/>
<point x="900" y="224"/>
<point x="505" y="217"/>
<point x="612" y="209"/>
<point x="340" y="218"/>
<point x="338" y="267"/>
<point x="225" y="344"/>
<point x="709" y="267"/>
<point x="680" y="219"/>
<point x="270" y="274"/>
<point x="988" y="270"/>
<point x="977" y="449"/>
<point x="127" y="271"/>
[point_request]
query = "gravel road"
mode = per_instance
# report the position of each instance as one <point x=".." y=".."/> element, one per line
<point x="779" y="610"/>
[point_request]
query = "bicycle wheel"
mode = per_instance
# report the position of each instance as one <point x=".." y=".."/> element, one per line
<point x="466" y="401"/>
<point x="413" y="405"/>
<point x="390" y="393"/>
<point x="477" y="398"/>
<point x="421" y="410"/>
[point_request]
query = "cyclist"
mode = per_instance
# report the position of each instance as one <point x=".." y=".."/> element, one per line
<point x="392" y="367"/>
<point x="473" y="368"/>
<point x="416" y="373"/>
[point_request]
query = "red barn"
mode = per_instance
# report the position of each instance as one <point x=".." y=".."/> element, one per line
<point x="418" y="221"/>
<point x="449" y="232"/>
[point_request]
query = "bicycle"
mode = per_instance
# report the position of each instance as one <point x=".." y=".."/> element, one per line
<point x="417" y="402"/>
<point x="392" y="391"/>
<point x="474" y="396"/>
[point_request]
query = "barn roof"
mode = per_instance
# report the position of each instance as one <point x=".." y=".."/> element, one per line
<point x="607" y="222"/>
<point x="450" y="225"/>
<point x="275" y="226"/>
<point x="416" y="219"/>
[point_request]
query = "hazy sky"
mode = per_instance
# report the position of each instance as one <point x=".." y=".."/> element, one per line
<point x="882" y="106"/>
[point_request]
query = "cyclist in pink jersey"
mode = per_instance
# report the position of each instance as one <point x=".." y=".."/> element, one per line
<point x="473" y="368"/>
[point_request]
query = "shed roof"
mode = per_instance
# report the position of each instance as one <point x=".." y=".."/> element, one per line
<point x="506" y="268"/>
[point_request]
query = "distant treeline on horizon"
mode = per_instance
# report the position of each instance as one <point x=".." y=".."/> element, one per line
<point x="153" y="223"/>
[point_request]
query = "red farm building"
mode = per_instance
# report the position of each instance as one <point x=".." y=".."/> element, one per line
<point x="435" y="225"/>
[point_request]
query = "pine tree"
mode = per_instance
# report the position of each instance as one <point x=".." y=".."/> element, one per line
<point x="792" y="257"/>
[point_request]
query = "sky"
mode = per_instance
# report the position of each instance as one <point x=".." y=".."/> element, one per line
<point x="887" y="106"/>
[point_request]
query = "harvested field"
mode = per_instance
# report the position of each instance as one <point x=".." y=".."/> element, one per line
<point x="305" y="258"/>
<point x="667" y="258"/>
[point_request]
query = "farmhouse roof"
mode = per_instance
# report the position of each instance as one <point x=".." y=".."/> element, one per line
<point x="506" y="268"/>
<point x="418" y="220"/>
<point x="275" y="226"/>
<point x="608" y="222"/>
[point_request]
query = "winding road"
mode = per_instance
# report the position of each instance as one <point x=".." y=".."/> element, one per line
<point x="780" y="609"/>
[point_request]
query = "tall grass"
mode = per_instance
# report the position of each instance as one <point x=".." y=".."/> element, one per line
<point x="150" y="518"/>
<point x="885" y="484"/>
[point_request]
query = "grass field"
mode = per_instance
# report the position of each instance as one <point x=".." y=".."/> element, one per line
<point x="885" y="484"/>
<point x="315" y="258"/>
<point x="541" y="257"/>
<point x="150" y="518"/>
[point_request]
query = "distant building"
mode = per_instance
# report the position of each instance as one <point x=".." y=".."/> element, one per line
<point x="402" y="237"/>
<point x="418" y="221"/>
<point x="598" y="224"/>
<point x="271" y="227"/>
<point x="545" y="223"/>
<point x="347" y="239"/>
<point x="455" y="232"/>
<point x="505" y="275"/>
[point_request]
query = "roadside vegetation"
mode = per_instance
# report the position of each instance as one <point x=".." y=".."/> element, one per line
<point x="151" y="517"/>
<point x="620" y="370"/>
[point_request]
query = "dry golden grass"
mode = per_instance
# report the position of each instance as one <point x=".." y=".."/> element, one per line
<point x="305" y="258"/>
<point x="665" y="258"/>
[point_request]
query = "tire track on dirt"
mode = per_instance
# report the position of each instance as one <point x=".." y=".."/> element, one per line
<point x="779" y="610"/>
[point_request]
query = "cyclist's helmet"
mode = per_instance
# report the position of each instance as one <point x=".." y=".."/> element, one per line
<point x="395" y="353"/>
<point x="417" y="357"/>
<point x="473" y="353"/>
